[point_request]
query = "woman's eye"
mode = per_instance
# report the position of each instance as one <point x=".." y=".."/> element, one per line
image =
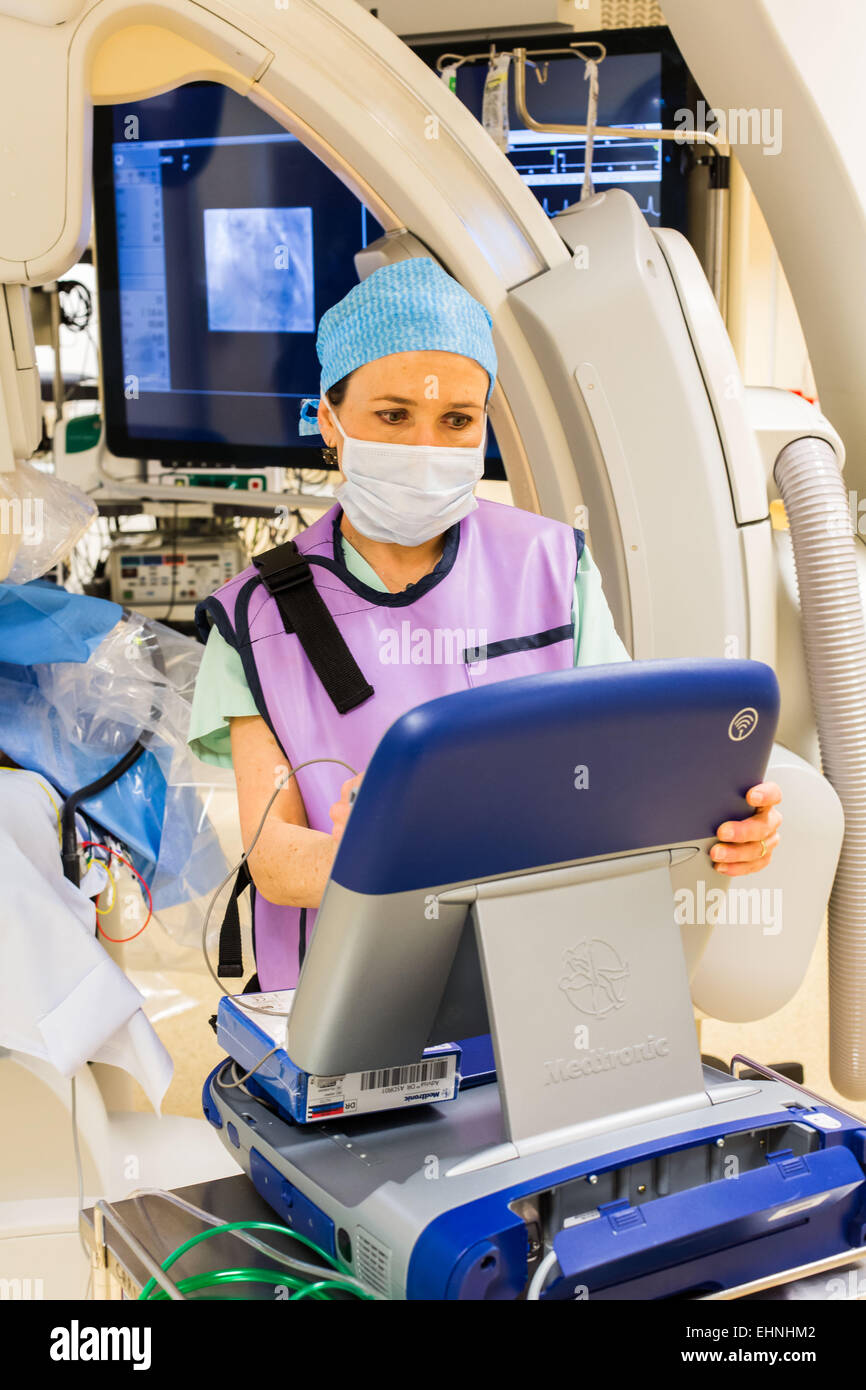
<point x="397" y="417"/>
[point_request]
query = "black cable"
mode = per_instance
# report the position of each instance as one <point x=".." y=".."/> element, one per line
<point x="69" y="839"/>
<point x="69" y="853"/>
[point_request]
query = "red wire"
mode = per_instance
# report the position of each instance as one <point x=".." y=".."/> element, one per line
<point x="92" y="844"/>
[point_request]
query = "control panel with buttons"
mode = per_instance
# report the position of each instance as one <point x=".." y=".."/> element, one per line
<point x="171" y="579"/>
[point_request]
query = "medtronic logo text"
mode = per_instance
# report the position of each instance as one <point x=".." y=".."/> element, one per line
<point x="744" y="722"/>
<point x="596" y="975"/>
<point x="606" y="1059"/>
<point x="437" y="646"/>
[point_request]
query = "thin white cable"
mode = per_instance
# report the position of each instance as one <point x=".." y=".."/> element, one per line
<point x="79" y="1169"/>
<point x="227" y="1085"/>
<point x="281" y="786"/>
<point x="540" y="1276"/>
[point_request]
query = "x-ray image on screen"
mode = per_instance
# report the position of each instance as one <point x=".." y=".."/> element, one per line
<point x="259" y="270"/>
<point x="211" y="288"/>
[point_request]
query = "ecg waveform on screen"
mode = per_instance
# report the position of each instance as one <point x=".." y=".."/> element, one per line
<point x="554" y="169"/>
<point x="553" y="206"/>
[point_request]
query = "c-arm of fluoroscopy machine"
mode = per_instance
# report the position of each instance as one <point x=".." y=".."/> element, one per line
<point x="618" y="389"/>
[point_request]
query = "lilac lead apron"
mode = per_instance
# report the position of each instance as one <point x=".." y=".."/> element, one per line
<point x="497" y="605"/>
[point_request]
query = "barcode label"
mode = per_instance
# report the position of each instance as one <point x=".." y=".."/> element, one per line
<point x="432" y="1078"/>
<point x="404" y="1076"/>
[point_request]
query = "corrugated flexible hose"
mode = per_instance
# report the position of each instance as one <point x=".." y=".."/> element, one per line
<point x="810" y="483"/>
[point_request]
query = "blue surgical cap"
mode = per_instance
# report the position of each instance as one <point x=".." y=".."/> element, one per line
<point x="407" y="306"/>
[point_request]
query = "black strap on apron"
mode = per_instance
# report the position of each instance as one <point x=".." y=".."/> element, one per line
<point x="302" y="937"/>
<point x="230" y="947"/>
<point x="231" y="961"/>
<point x="287" y="576"/>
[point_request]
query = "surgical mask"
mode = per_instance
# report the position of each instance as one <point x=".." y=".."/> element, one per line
<point x="407" y="493"/>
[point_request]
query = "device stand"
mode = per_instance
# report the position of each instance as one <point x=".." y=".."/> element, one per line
<point x="587" y="996"/>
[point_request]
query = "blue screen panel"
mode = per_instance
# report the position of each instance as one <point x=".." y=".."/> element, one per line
<point x="547" y="769"/>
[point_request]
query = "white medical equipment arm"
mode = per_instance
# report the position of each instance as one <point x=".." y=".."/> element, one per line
<point x="804" y="68"/>
<point x="617" y="390"/>
<point x="769" y="59"/>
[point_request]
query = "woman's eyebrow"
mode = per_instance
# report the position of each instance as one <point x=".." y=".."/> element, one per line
<point x="453" y="405"/>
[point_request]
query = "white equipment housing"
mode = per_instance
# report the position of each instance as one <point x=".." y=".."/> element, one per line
<point x="618" y="391"/>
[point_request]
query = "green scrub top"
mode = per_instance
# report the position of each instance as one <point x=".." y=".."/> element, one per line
<point x="222" y="693"/>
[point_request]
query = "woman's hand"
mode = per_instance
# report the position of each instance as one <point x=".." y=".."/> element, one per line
<point x="741" y="852"/>
<point x="339" y="812"/>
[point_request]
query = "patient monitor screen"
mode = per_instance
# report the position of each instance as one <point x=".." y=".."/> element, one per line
<point x="630" y="95"/>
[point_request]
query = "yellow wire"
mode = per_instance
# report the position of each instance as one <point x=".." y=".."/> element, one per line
<point x="111" y="879"/>
<point x="41" y="783"/>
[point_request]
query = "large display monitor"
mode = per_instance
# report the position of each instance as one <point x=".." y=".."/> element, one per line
<point x="221" y="240"/>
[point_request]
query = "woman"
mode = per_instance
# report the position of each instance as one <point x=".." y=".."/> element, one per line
<point x="406" y="557"/>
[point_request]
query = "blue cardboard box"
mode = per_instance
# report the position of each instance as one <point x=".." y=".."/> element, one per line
<point x="249" y="1026"/>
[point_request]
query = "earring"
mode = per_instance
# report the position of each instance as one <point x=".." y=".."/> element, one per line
<point x="329" y="454"/>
